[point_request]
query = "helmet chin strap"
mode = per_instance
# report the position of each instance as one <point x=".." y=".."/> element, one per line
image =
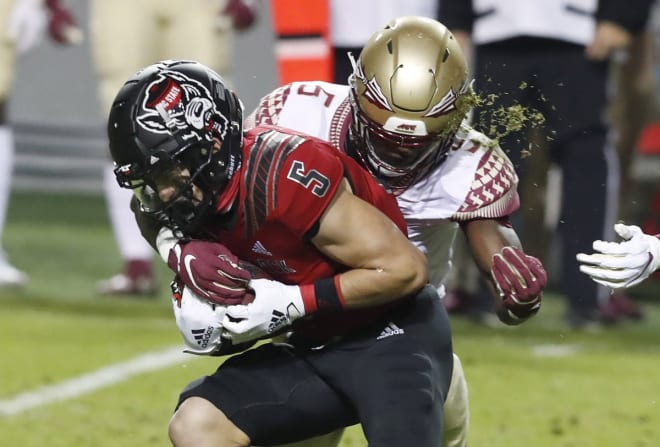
<point x="228" y="196"/>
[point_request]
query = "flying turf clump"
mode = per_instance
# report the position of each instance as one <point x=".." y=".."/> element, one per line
<point x="465" y="102"/>
<point x="508" y="120"/>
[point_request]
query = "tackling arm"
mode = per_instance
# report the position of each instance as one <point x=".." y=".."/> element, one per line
<point x="384" y="264"/>
<point x="516" y="279"/>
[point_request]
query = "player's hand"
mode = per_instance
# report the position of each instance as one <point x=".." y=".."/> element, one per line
<point x="241" y="12"/>
<point x="275" y="307"/>
<point x="609" y="37"/>
<point x="520" y="280"/>
<point x="27" y="23"/>
<point x="622" y="264"/>
<point x="200" y="323"/>
<point x="210" y="270"/>
<point x="62" y="26"/>
<point x="198" y="320"/>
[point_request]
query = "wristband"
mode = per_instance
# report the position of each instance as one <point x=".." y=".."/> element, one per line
<point x="322" y="296"/>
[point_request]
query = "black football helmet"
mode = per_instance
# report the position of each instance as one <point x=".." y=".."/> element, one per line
<point x="406" y="97"/>
<point x="173" y="125"/>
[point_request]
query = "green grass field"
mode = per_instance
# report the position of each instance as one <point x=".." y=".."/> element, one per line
<point x="539" y="385"/>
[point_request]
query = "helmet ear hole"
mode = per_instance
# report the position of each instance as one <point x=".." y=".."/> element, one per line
<point x="184" y="110"/>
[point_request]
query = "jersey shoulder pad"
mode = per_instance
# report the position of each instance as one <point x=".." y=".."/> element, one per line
<point x="268" y="110"/>
<point x="493" y="189"/>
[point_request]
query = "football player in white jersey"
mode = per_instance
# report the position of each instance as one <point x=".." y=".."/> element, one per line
<point x="402" y="116"/>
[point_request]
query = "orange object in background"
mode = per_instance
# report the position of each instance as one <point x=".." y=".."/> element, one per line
<point x="649" y="140"/>
<point x="303" y="50"/>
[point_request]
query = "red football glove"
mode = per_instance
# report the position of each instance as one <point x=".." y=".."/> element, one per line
<point x="211" y="271"/>
<point x="241" y="12"/>
<point x="61" y="24"/>
<point x="520" y="280"/>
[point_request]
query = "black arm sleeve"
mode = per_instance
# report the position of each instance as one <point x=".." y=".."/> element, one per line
<point x="457" y="14"/>
<point x="630" y="14"/>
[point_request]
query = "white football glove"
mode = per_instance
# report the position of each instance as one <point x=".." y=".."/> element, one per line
<point x="622" y="264"/>
<point x="275" y="307"/>
<point x="27" y="24"/>
<point x="200" y="323"/>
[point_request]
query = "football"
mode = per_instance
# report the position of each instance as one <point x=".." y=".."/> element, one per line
<point x="255" y="273"/>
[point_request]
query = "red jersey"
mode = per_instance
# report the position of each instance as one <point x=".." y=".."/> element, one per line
<point x="286" y="182"/>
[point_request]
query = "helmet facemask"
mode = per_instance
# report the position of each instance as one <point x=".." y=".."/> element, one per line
<point x="393" y="155"/>
<point x="178" y="188"/>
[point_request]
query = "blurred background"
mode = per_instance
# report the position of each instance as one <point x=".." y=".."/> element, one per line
<point x="596" y="386"/>
<point x="55" y="108"/>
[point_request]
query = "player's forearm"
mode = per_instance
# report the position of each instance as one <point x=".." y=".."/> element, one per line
<point x="363" y="288"/>
<point x="277" y="305"/>
<point x="486" y="237"/>
<point x="366" y="287"/>
<point x="517" y="280"/>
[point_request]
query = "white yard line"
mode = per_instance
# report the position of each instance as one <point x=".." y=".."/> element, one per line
<point x="555" y="350"/>
<point x="87" y="383"/>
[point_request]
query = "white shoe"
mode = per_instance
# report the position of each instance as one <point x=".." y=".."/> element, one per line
<point x="122" y="284"/>
<point x="10" y="276"/>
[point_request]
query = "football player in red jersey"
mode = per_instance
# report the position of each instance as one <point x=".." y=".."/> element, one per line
<point x="446" y="175"/>
<point x="370" y="340"/>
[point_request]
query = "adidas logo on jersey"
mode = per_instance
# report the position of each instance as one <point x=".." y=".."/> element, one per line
<point x="202" y="336"/>
<point x="390" y="329"/>
<point x="258" y="247"/>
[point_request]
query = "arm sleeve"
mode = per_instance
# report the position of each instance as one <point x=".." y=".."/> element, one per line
<point x="632" y="14"/>
<point x="456" y="14"/>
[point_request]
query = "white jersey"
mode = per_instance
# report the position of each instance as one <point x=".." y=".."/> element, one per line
<point x="352" y="22"/>
<point x="476" y="180"/>
<point x="572" y="21"/>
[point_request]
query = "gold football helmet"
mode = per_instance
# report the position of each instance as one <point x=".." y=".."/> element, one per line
<point x="406" y="91"/>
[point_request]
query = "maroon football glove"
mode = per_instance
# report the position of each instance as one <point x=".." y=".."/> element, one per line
<point x="241" y="12"/>
<point x="61" y="24"/>
<point x="211" y="271"/>
<point x="520" y="280"/>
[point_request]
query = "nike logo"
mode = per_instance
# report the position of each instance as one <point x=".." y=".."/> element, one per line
<point x="187" y="263"/>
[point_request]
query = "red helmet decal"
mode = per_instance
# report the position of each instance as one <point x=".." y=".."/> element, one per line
<point x="167" y="94"/>
<point x="406" y="128"/>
